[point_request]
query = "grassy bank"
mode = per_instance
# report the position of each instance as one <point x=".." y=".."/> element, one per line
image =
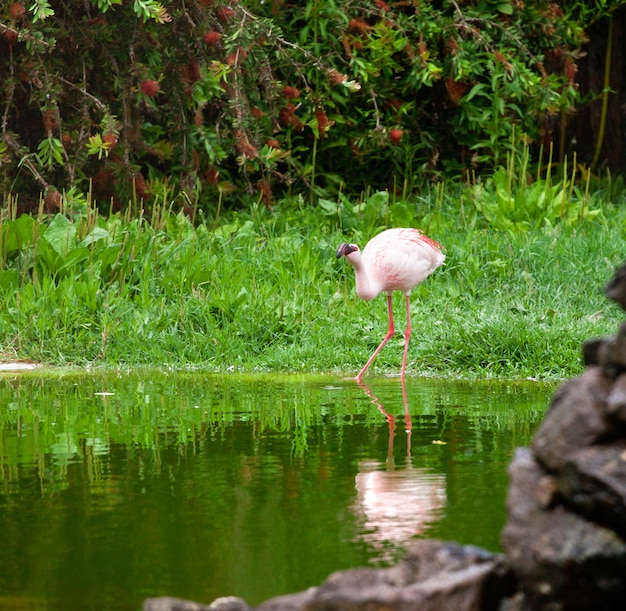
<point x="262" y="289"/>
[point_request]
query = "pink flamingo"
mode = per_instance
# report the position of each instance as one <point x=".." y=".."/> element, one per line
<point x="394" y="260"/>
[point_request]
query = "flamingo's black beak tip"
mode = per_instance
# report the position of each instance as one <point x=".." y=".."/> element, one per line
<point x="344" y="249"/>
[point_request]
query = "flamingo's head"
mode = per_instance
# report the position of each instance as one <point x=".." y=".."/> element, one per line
<point x="345" y="250"/>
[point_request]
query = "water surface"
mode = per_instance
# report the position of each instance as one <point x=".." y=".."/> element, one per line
<point x="117" y="487"/>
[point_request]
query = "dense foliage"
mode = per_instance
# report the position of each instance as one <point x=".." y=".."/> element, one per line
<point x="206" y="98"/>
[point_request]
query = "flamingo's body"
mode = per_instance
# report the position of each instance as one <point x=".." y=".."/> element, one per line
<point x="394" y="260"/>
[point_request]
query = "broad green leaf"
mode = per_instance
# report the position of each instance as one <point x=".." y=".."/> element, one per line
<point x="47" y="257"/>
<point x="75" y="258"/>
<point x="61" y="235"/>
<point x="109" y="255"/>
<point x="18" y="234"/>
<point x="328" y="206"/>
<point x="97" y="233"/>
<point x="9" y="279"/>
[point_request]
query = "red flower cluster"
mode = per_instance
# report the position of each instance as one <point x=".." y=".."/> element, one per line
<point x="150" y="87"/>
<point x="287" y="117"/>
<point x="17" y="11"/>
<point x="395" y="135"/>
<point x="291" y="93"/>
<point x="212" y="38"/>
<point x="225" y="13"/>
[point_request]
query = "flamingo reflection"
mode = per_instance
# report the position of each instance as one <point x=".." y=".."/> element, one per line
<point x="396" y="502"/>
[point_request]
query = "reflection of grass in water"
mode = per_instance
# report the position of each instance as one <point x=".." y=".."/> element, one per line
<point x="52" y="421"/>
<point x="299" y="426"/>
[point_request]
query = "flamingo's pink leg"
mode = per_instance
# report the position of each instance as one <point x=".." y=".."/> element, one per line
<point x="387" y="337"/>
<point x="407" y="335"/>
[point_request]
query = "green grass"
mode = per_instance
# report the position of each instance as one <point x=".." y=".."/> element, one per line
<point x="264" y="290"/>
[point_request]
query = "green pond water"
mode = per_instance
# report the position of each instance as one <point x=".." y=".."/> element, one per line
<point x="115" y="487"/>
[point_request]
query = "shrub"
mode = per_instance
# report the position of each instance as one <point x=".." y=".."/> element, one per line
<point x="208" y="98"/>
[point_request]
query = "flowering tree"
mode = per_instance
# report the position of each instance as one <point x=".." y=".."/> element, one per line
<point x="207" y="98"/>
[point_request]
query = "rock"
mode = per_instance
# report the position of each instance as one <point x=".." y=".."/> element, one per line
<point x="609" y="353"/>
<point x="591" y="349"/>
<point x="289" y="602"/>
<point x="450" y="576"/>
<point x="577" y="417"/>
<point x="434" y="575"/>
<point x="167" y="603"/>
<point x="430" y="558"/>
<point x="570" y="563"/>
<point x="616" y="288"/>
<point x="229" y="603"/>
<point x="612" y="353"/>
<point x="560" y="560"/>
<point x="358" y="589"/>
<point x="617" y="400"/>
<point x="527" y="485"/>
<point x="515" y="603"/>
<point x="593" y="484"/>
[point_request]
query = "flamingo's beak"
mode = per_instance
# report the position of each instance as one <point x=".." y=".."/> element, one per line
<point x="345" y="249"/>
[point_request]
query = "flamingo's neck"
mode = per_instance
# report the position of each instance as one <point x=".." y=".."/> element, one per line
<point x="365" y="289"/>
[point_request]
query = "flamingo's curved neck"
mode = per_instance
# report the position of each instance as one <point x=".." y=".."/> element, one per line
<point x="365" y="289"/>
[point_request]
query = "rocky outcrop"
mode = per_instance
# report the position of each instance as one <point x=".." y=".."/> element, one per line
<point x="565" y="538"/>
<point x="433" y="576"/>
